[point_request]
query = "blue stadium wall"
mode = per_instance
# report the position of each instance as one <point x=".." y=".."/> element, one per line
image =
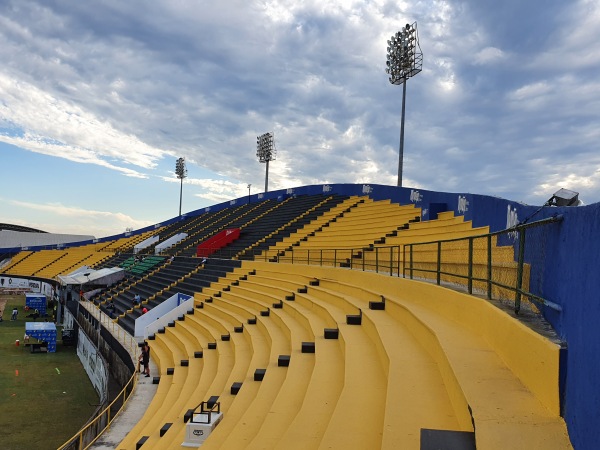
<point x="567" y="276"/>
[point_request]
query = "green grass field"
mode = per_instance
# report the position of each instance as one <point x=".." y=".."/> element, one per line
<point x="45" y="398"/>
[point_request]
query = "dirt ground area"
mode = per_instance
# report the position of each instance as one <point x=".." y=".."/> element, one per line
<point x="2" y="305"/>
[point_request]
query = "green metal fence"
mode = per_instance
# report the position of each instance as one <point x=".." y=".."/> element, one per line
<point x="482" y="265"/>
<point x="497" y="265"/>
<point x="380" y="259"/>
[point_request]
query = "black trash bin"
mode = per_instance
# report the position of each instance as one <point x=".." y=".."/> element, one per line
<point x="69" y="337"/>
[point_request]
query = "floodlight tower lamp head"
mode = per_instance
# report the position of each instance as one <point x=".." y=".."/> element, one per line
<point x="404" y="59"/>
<point x="180" y="169"/>
<point x="265" y="147"/>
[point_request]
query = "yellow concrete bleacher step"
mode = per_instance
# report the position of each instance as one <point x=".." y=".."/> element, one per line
<point x="267" y="434"/>
<point x="162" y="357"/>
<point x="239" y="404"/>
<point x="506" y="373"/>
<point x="417" y="393"/>
<point x="289" y="400"/>
<point x="176" y="382"/>
<point x="416" y="396"/>
<point x="323" y="390"/>
<point x="245" y="343"/>
<point x="250" y="421"/>
<point x="361" y="405"/>
<point x="242" y="348"/>
<point x="506" y="414"/>
<point x="364" y="387"/>
<point x="322" y="394"/>
<point x="195" y="392"/>
<point x="213" y="383"/>
<point x="320" y="399"/>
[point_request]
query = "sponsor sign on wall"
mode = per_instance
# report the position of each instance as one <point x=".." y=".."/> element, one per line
<point x="93" y="364"/>
<point x="34" y="286"/>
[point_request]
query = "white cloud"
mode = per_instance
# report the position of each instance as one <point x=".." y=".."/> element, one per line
<point x="126" y="88"/>
<point x="489" y="55"/>
<point x="55" y="127"/>
<point x="573" y="45"/>
<point x="79" y="220"/>
<point x="40" y="145"/>
<point x="537" y="96"/>
<point x="456" y="153"/>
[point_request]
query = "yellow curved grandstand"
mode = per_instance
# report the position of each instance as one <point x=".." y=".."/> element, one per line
<point x="310" y="335"/>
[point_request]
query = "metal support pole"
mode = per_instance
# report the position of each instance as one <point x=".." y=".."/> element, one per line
<point x="403" y="261"/>
<point x="180" y="196"/>
<point x="267" y="176"/>
<point x="489" y="266"/>
<point x="411" y="262"/>
<point x="439" y="263"/>
<point x="520" y="263"/>
<point x="401" y="150"/>
<point x="470" y="281"/>
<point x="399" y="261"/>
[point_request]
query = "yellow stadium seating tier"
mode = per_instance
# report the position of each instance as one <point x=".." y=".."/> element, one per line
<point x="312" y="226"/>
<point x="11" y="268"/>
<point x="51" y="263"/>
<point x="505" y="372"/>
<point x="279" y="335"/>
<point x="200" y="379"/>
<point x="432" y="356"/>
<point x="361" y="355"/>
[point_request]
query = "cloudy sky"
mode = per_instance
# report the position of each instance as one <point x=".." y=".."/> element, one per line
<point x="99" y="99"/>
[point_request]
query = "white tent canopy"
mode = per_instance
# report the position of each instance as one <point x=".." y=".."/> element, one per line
<point x="146" y="243"/>
<point x="105" y="277"/>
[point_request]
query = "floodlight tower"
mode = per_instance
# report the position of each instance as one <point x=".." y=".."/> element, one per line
<point x="181" y="173"/>
<point x="404" y="60"/>
<point x="266" y="151"/>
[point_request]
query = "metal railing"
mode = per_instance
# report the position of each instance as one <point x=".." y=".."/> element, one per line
<point x="481" y="265"/>
<point x="85" y="437"/>
<point x="380" y="259"/>
<point x="490" y="264"/>
<point x="126" y="339"/>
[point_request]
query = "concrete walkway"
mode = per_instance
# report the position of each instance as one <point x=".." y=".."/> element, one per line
<point x="140" y="398"/>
